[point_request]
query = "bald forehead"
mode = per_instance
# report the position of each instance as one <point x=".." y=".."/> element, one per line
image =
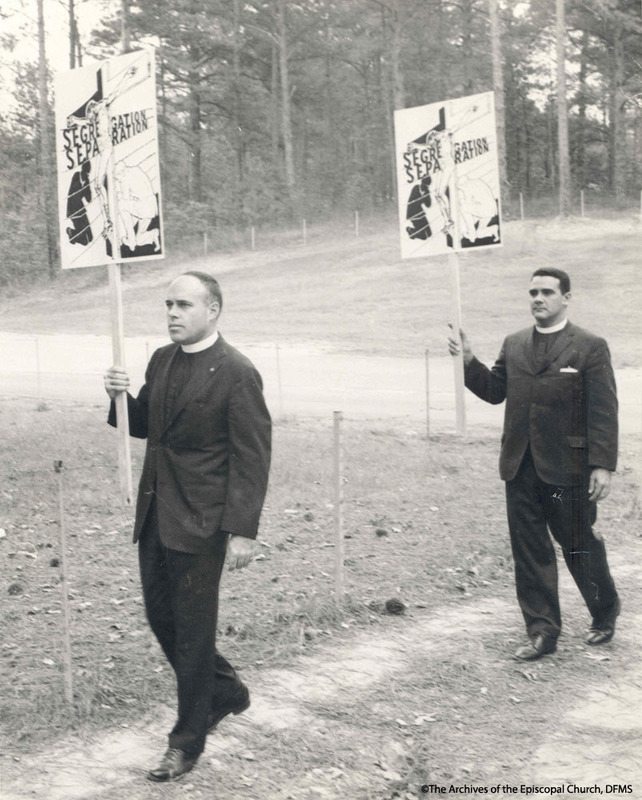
<point x="187" y="286"/>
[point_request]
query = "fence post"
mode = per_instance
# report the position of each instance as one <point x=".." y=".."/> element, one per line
<point x="427" y="357"/>
<point x="69" y="695"/>
<point x="521" y="205"/>
<point x="278" y="378"/>
<point x="38" y="379"/>
<point x="582" y="201"/>
<point x="252" y="237"/>
<point x="356" y="223"/>
<point x="338" y="508"/>
<point x="305" y="233"/>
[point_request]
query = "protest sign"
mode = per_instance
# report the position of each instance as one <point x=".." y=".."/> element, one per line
<point x="448" y="176"/>
<point x="107" y="162"/>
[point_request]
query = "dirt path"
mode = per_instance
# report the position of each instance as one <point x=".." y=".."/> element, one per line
<point x="353" y="720"/>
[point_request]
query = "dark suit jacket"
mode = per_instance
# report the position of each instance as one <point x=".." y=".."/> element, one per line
<point x="566" y="409"/>
<point x="208" y="464"/>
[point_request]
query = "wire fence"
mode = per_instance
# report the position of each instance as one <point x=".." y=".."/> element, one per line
<point x="298" y="380"/>
<point x="523" y="206"/>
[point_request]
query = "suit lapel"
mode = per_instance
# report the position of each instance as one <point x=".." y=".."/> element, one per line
<point x="161" y="385"/>
<point x="561" y="343"/>
<point x="529" y="350"/>
<point x="198" y="381"/>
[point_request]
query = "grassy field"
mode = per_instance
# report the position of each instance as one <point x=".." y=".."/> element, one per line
<point x="424" y="524"/>
<point x="404" y="519"/>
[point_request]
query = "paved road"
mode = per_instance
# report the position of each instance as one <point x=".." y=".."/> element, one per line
<point x="301" y="380"/>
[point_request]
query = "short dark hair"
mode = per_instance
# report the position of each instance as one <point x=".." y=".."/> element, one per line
<point x="552" y="272"/>
<point x="210" y="283"/>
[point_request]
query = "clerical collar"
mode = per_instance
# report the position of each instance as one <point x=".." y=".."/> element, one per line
<point x="197" y="347"/>
<point x="554" y="328"/>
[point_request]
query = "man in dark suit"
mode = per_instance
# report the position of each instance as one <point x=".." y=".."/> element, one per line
<point x="201" y="491"/>
<point x="558" y="449"/>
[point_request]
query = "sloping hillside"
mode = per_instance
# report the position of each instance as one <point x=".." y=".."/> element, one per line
<point x="356" y="294"/>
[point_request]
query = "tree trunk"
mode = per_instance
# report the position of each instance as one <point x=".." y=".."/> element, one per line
<point x="527" y="151"/>
<point x="440" y="61"/>
<point x="466" y="47"/>
<point x="498" y="88"/>
<point x="125" y="40"/>
<point x="237" y="133"/>
<point x="363" y="152"/>
<point x="47" y="174"/>
<point x="391" y="86"/>
<point x="274" y="106"/>
<point x="580" y="158"/>
<point x="618" y="132"/>
<point x="286" y="122"/>
<point x="549" y="158"/>
<point x="195" y="177"/>
<point x="195" y="114"/>
<point x="386" y="162"/>
<point x="637" y="147"/>
<point x="73" y="35"/>
<point x="335" y="150"/>
<point x="396" y="28"/>
<point x="162" y="127"/>
<point x="562" y="112"/>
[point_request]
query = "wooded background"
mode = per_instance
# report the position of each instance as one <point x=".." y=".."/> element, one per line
<point x="273" y="111"/>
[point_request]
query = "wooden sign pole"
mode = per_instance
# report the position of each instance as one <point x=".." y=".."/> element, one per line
<point x="116" y="308"/>
<point x="64" y="588"/>
<point x="122" y="417"/>
<point x="455" y="293"/>
<point x="118" y="344"/>
<point x="338" y="509"/>
<point x="458" y="360"/>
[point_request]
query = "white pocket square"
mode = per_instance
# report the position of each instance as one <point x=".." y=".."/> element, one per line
<point x="568" y="369"/>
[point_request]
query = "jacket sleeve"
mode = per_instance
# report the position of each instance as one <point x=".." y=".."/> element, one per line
<point x="601" y="408"/>
<point x="250" y="430"/>
<point x="488" y="384"/>
<point x="137" y="408"/>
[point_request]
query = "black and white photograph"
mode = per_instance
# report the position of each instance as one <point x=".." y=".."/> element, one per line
<point x="320" y="399"/>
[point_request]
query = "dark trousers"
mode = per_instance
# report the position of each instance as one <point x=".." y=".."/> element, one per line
<point x="181" y="601"/>
<point x="534" y="507"/>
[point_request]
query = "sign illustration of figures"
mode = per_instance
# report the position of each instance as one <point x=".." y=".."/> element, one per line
<point x="448" y="176"/>
<point x="107" y="157"/>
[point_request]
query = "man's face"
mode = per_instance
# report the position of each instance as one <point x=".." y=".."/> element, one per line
<point x="191" y="314"/>
<point x="548" y="304"/>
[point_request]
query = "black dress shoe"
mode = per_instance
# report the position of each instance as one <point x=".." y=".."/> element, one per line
<point x="603" y="630"/>
<point x="174" y="764"/>
<point x="538" y="646"/>
<point x="235" y="703"/>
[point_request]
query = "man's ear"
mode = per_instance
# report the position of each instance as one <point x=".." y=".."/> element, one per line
<point x="215" y="308"/>
<point x="567" y="298"/>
